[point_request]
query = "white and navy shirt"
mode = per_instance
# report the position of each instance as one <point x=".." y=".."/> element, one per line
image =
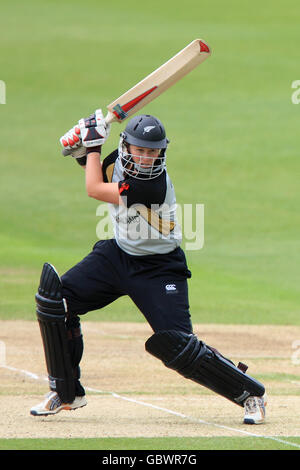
<point x="146" y="222"/>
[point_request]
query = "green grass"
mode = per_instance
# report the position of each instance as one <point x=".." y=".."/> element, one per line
<point x="163" y="443"/>
<point x="234" y="144"/>
<point x="234" y="148"/>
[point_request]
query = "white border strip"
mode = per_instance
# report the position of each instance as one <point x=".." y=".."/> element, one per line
<point x="33" y="376"/>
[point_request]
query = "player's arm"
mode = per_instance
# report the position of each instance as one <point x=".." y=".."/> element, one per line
<point x="95" y="185"/>
<point x="82" y="162"/>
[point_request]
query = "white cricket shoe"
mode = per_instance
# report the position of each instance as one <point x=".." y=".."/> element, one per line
<point x="255" y="412"/>
<point x="53" y="404"/>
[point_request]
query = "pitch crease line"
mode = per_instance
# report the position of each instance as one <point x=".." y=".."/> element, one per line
<point x="166" y="410"/>
<point x="198" y="420"/>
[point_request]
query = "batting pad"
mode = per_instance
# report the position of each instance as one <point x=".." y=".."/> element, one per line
<point x="50" y="310"/>
<point x="196" y="361"/>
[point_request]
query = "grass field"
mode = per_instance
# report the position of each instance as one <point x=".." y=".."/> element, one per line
<point x="201" y="443"/>
<point x="234" y="135"/>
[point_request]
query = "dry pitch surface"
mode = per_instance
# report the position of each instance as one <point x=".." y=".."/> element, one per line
<point x="130" y="393"/>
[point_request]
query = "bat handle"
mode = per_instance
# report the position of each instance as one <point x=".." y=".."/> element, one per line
<point x="110" y="117"/>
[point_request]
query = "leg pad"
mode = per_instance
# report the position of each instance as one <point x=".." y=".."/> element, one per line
<point x="51" y="314"/>
<point x="196" y="361"/>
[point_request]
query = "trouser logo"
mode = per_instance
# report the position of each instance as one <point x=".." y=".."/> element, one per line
<point x="171" y="289"/>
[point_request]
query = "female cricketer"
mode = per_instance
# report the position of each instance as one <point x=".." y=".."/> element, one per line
<point x="144" y="261"/>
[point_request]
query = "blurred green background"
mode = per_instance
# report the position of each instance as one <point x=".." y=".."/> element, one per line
<point x="234" y="144"/>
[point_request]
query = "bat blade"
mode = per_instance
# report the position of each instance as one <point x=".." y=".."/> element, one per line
<point x="158" y="81"/>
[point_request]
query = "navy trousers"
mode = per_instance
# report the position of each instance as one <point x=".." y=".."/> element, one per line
<point x="157" y="284"/>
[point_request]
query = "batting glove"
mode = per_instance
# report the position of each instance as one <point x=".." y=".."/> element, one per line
<point x="94" y="130"/>
<point x="71" y="141"/>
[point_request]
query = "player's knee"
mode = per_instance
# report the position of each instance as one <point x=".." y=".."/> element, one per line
<point x="49" y="297"/>
<point x="176" y="349"/>
<point x="205" y="365"/>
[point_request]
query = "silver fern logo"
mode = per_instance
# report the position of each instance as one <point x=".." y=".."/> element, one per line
<point x="148" y="129"/>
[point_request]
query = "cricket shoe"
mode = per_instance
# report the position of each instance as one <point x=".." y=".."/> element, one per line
<point x="255" y="411"/>
<point x="53" y="404"/>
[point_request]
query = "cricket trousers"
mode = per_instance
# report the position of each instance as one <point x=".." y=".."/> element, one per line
<point x="157" y="284"/>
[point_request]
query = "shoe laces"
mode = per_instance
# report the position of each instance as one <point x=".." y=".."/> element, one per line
<point x="54" y="400"/>
<point x="251" y="405"/>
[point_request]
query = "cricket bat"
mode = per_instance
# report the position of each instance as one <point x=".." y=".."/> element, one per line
<point x="157" y="82"/>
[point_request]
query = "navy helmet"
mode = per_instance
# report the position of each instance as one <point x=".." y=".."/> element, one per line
<point x="143" y="131"/>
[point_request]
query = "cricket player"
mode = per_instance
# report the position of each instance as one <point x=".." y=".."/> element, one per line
<point x="144" y="261"/>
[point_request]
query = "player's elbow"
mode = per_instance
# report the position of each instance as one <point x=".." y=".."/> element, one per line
<point x="91" y="190"/>
<point x="105" y="192"/>
<point x="92" y="193"/>
<point x="95" y="192"/>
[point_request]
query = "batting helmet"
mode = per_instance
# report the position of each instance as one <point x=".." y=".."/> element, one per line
<point x="143" y="131"/>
